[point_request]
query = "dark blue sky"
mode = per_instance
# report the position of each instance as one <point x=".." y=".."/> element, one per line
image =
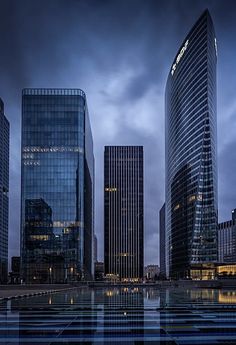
<point x="119" y="53"/>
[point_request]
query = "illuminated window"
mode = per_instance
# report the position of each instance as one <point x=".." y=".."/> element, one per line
<point x="110" y="189"/>
<point x="39" y="237"/>
<point x="176" y="207"/>
<point x="67" y="231"/>
<point x="192" y="198"/>
<point x="52" y="149"/>
<point x="59" y="224"/>
<point x="199" y="197"/>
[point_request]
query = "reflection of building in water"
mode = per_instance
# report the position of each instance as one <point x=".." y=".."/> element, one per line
<point x="66" y="315"/>
<point x="85" y="317"/>
<point x="227" y="297"/>
<point x="164" y="316"/>
<point x="152" y="294"/>
<point x="206" y="295"/>
<point x="124" y="314"/>
<point x="58" y="169"/>
<point x="7" y="315"/>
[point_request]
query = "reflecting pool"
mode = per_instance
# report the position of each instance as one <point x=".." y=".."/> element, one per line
<point x="121" y="316"/>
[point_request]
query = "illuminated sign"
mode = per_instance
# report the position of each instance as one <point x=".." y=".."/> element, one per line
<point x="181" y="53"/>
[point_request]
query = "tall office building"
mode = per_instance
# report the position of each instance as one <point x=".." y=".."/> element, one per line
<point x="227" y="240"/>
<point x="123" y="212"/>
<point x="162" y="242"/>
<point x="191" y="162"/>
<point x="57" y="191"/>
<point x="4" y="186"/>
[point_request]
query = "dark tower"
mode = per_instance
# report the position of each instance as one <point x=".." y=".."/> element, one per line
<point x="191" y="158"/>
<point x="123" y="212"/>
<point x="4" y="187"/>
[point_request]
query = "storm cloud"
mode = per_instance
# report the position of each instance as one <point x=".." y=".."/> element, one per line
<point x="119" y="53"/>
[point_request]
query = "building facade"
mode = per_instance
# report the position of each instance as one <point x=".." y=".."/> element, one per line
<point x="57" y="187"/>
<point x="191" y="156"/>
<point x="99" y="271"/>
<point x="152" y="272"/>
<point x="14" y="275"/>
<point x="95" y="249"/>
<point x="227" y="241"/>
<point x="162" y="242"/>
<point x="4" y="189"/>
<point x="123" y="212"/>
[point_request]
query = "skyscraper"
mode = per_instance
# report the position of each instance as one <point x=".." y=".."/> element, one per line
<point x="57" y="192"/>
<point x="191" y="162"/>
<point x="123" y="212"/>
<point x="4" y="186"/>
<point x="162" y="248"/>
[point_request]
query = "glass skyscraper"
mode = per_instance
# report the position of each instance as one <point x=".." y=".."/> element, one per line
<point x="4" y="186"/>
<point x="191" y="156"/>
<point x="123" y="212"/>
<point x="57" y="190"/>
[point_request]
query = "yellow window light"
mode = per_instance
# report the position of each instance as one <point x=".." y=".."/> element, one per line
<point x="176" y="207"/>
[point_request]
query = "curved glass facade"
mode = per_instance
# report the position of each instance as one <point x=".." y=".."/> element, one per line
<point x="57" y="186"/>
<point x="191" y="162"/>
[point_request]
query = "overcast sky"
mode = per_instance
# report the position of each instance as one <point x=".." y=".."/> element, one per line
<point x="119" y="53"/>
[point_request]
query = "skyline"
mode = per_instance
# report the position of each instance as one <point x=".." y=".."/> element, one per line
<point x="135" y="75"/>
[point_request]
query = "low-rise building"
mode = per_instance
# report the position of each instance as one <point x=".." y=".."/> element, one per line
<point x="227" y="241"/>
<point x="152" y="272"/>
<point x="99" y="271"/>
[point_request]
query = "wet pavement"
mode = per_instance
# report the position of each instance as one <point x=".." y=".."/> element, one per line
<point x="121" y="316"/>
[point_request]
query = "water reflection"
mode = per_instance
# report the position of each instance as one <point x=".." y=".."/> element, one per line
<point x="121" y="315"/>
<point x="227" y="297"/>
